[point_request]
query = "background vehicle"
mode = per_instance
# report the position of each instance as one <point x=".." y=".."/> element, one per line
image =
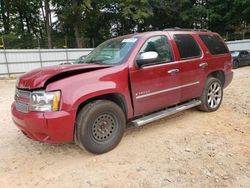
<point x="135" y="78"/>
<point x="240" y="58"/>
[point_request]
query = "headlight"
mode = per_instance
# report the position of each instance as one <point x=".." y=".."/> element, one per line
<point x="44" y="101"/>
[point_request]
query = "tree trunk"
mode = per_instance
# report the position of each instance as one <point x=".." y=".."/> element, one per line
<point x="77" y="23"/>
<point x="78" y="36"/>
<point x="21" y="21"/>
<point x="27" y="23"/>
<point x="42" y="25"/>
<point x="47" y="23"/>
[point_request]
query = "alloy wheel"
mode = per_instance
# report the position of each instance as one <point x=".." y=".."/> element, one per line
<point x="214" y="95"/>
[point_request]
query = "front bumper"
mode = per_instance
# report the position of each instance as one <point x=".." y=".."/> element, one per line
<point x="48" y="127"/>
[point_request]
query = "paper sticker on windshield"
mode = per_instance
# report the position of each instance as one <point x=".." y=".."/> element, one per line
<point x="130" y="40"/>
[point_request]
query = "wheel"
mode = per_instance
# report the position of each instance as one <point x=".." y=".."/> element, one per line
<point x="100" y="126"/>
<point x="236" y="64"/>
<point x="212" y="95"/>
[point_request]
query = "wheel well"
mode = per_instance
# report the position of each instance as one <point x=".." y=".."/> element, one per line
<point x="218" y="74"/>
<point x="114" y="97"/>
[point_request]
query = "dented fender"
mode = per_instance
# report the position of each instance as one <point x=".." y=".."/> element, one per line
<point x="79" y="88"/>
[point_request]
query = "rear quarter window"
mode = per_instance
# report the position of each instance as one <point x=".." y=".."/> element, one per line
<point x="187" y="46"/>
<point x="214" y="44"/>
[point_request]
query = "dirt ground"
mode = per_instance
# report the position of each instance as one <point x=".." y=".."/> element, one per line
<point x="189" y="149"/>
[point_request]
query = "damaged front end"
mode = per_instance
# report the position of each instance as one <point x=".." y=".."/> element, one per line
<point x="40" y="78"/>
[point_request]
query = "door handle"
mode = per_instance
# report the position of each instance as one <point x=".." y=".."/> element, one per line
<point x="173" y="71"/>
<point x="203" y="65"/>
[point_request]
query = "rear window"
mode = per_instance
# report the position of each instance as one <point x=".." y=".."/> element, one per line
<point x="214" y="44"/>
<point x="187" y="46"/>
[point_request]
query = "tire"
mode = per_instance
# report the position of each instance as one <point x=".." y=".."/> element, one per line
<point x="212" y="95"/>
<point x="236" y="64"/>
<point x="100" y="126"/>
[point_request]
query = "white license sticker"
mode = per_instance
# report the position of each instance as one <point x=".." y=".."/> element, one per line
<point x="130" y="40"/>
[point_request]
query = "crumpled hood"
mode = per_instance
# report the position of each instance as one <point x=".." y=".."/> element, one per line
<point x="37" y="78"/>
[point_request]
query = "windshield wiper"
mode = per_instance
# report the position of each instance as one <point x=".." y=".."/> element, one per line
<point x="94" y="62"/>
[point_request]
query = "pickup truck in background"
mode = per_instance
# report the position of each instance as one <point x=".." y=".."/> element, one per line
<point x="137" y="78"/>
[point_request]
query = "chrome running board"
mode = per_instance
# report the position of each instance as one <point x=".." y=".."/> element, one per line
<point x="165" y="113"/>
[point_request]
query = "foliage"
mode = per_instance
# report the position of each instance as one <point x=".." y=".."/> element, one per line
<point x="86" y="23"/>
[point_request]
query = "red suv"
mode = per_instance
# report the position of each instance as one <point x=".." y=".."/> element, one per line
<point x="135" y="78"/>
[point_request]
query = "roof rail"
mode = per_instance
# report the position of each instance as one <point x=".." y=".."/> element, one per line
<point x="185" y="29"/>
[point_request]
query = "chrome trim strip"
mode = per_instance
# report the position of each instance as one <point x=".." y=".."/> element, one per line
<point x="166" y="90"/>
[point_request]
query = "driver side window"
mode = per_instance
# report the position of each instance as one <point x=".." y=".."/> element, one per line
<point x="244" y="53"/>
<point x="160" y="45"/>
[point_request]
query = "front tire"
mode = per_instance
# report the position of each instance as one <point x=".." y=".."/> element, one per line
<point x="100" y="126"/>
<point x="236" y="64"/>
<point x="212" y="95"/>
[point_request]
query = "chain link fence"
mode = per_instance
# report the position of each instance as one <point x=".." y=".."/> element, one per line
<point x="20" y="61"/>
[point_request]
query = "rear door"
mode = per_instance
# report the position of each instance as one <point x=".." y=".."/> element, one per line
<point x="191" y="64"/>
<point x="156" y="86"/>
<point x="217" y="54"/>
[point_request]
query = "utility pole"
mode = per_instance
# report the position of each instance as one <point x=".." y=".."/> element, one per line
<point x="5" y="57"/>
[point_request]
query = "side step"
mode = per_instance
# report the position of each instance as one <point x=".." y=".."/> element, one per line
<point x="164" y="113"/>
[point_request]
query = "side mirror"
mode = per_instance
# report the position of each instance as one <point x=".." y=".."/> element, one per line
<point x="147" y="58"/>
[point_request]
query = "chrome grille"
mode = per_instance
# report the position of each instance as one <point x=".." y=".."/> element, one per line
<point x="22" y="100"/>
<point x="23" y="93"/>
<point x="22" y="107"/>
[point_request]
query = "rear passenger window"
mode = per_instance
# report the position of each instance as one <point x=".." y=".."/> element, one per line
<point x="187" y="46"/>
<point x="214" y="44"/>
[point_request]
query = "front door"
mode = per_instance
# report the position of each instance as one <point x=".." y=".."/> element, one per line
<point x="156" y="86"/>
<point x="244" y="57"/>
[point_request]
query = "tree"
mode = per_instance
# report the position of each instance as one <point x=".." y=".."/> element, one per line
<point x="231" y="16"/>
<point x="244" y="17"/>
<point x="71" y="14"/>
<point x="169" y="14"/>
<point x="5" y="15"/>
<point x="87" y="23"/>
<point x="21" y="22"/>
<point x="47" y="20"/>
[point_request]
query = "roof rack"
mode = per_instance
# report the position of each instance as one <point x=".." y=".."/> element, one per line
<point x="185" y="29"/>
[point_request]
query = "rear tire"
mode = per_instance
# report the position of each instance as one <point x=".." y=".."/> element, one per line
<point x="100" y="126"/>
<point x="212" y="95"/>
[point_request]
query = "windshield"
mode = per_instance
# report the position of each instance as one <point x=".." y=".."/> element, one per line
<point x="235" y="53"/>
<point x="111" y="52"/>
